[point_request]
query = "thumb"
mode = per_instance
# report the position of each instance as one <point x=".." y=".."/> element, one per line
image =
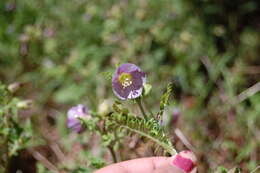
<point x="184" y="162"/>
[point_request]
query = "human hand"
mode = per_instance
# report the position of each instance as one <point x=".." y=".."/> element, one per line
<point x="184" y="162"/>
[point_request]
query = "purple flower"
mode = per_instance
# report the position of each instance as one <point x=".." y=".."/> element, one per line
<point x="79" y="111"/>
<point x="128" y="81"/>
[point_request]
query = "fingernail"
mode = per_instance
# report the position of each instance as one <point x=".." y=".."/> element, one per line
<point x="185" y="160"/>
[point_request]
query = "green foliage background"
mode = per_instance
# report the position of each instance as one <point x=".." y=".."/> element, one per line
<point x="209" y="49"/>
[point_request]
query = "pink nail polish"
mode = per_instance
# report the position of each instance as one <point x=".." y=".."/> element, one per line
<point x="183" y="163"/>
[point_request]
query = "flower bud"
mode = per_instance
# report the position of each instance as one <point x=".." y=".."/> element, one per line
<point x="104" y="107"/>
<point x="14" y="87"/>
<point x="24" y="104"/>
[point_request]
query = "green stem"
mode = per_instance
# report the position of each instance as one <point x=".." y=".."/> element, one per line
<point x="112" y="151"/>
<point x="110" y="148"/>
<point x="139" y="102"/>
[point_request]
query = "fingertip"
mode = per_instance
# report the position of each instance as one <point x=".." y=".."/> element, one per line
<point x="189" y="155"/>
<point x="186" y="161"/>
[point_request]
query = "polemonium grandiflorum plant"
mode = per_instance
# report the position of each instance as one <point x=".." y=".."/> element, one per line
<point x="128" y="83"/>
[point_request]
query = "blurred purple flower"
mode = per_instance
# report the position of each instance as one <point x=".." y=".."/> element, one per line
<point x="79" y="111"/>
<point x="175" y="115"/>
<point x="128" y="81"/>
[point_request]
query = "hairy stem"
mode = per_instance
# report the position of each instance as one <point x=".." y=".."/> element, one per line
<point x="110" y="148"/>
<point x="139" y="102"/>
<point x="112" y="151"/>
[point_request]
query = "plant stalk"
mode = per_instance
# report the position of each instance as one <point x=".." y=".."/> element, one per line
<point x="112" y="151"/>
<point x="139" y="102"/>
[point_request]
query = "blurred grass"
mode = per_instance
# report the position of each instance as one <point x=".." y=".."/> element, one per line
<point x="209" y="49"/>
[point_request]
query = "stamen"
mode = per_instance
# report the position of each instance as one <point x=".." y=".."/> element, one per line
<point x="125" y="79"/>
<point x="126" y="83"/>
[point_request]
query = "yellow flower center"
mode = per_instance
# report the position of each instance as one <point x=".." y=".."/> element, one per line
<point x="125" y="79"/>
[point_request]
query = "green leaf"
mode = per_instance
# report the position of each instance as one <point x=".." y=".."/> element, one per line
<point x="165" y="99"/>
<point x="89" y="123"/>
<point x="147" y="128"/>
<point x="107" y="139"/>
<point x="117" y="107"/>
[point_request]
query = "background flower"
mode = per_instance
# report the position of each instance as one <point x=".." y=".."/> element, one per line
<point x="79" y="111"/>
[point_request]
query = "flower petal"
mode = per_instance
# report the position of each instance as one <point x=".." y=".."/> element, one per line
<point x="135" y="93"/>
<point x="127" y="68"/>
<point x="119" y="91"/>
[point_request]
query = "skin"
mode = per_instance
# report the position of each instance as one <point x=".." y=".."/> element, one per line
<point x="147" y="165"/>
